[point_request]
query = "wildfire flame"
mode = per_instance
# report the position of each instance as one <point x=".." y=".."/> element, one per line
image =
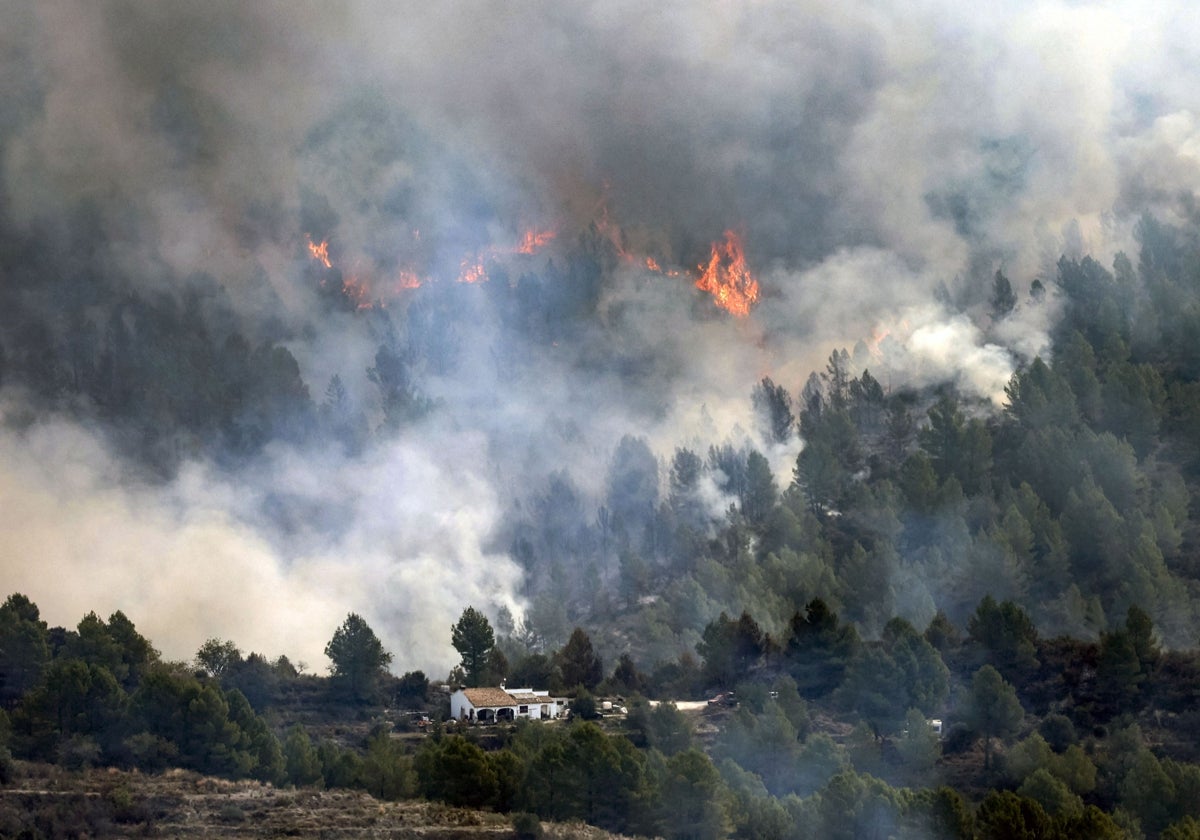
<point x="897" y="331"/>
<point x="727" y="278"/>
<point x="357" y="292"/>
<point x="878" y="334"/>
<point x="471" y="270"/>
<point x="653" y="265"/>
<point x="320" y="252"/>
<point x="535" y="240"/>
<point x="608" y="229"/>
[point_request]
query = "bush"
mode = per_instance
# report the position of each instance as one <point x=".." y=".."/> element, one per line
<point x="126" y="808"/>
<point x="1058" y="731"/>
<point x="120" y="797"/>
<point x="231" y="814"/>
<point x="527" y="826"/>
<point x="584" y="705"/>
<point x="150" y="752"/>
<point x="959" y="738"/>
<point x="78" y="752"/>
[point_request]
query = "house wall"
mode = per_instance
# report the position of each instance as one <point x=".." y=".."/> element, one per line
<point x="543" y="701"/>
<point x="459" y="704"/>
<point x="461" y="707"/>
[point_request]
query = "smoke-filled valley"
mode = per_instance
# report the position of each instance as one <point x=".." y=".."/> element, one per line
<point x="393" y="310"/>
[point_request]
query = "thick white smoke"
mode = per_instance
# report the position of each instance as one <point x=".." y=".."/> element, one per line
<point x="397" y="537"/>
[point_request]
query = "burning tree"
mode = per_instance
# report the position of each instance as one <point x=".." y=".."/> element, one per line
<point x="727" y="278"/>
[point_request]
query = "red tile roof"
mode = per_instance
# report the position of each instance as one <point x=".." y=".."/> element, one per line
<point x="489" y="697"/>
<point x="530" y="698"/>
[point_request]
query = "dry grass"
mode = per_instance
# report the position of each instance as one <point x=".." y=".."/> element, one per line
<point x="180" y="804"/>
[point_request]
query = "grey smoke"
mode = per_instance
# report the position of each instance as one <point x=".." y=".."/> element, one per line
<point x="871" y="154"/>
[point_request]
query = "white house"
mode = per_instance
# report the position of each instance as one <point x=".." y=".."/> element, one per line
<point x="488" y="705"/>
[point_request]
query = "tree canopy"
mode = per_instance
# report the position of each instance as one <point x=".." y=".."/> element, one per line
<point x="474" y="639"/>
<point x="357" y="658"/>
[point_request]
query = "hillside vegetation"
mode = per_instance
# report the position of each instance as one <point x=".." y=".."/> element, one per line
<point x="1026" y="574"/>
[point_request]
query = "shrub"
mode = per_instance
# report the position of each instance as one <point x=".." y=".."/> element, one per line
<point x="1058" y="731"/>
<point x="527" y="826"/>
<point x="231" y="814"/>
<point x="959" y="738"/>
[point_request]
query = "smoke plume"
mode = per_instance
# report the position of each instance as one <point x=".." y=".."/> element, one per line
<point x="880" y="161"/>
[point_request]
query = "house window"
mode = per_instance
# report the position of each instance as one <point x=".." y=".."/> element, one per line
<point x="524" y="710"/>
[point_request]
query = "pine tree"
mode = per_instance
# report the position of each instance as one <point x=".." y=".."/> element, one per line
<point x="474" y="639"/>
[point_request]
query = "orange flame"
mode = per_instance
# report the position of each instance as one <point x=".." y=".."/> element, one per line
<point x="727" y="278"/>
<point x="535" y="240"/>
<point x="320" y="252"/>
<point x="609" y="229"/>
<point x="874" y="343"/>
<point x="653" y="265"/>
<point x="358" y="292"/>
<point x="471" y="270"/>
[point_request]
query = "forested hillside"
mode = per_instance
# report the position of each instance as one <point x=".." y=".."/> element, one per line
<point x="1023" y="574"/>
<point x="834" y="363"/>
<point x="1072" y="499"/>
